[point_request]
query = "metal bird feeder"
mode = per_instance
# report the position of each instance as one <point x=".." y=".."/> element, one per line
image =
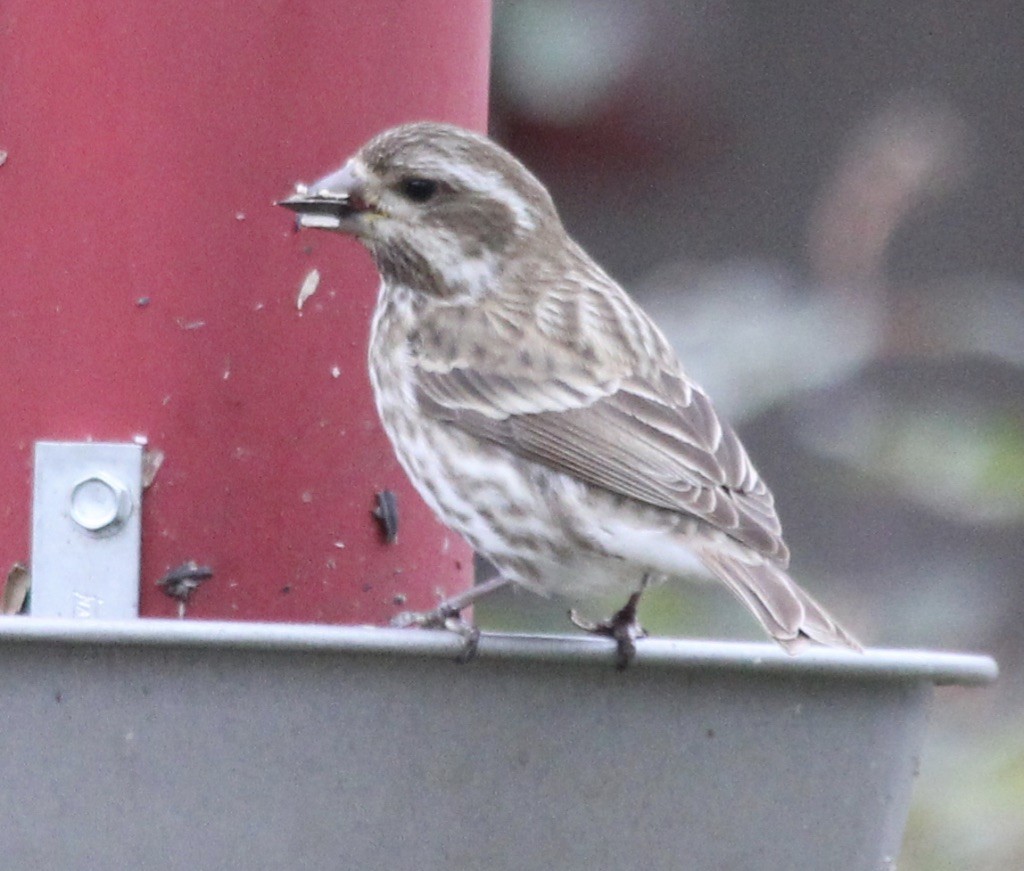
<point x="154" y="298"/>
<point x="185" y="402"/>
<point x="187" y="744"/>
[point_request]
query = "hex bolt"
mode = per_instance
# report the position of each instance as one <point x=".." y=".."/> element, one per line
<point x="100" y="503"/>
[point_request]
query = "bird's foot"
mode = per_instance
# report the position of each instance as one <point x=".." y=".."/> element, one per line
<point x="622" y="626"/>
<point x="444" y="616"/>
<point x="448" y="615"/>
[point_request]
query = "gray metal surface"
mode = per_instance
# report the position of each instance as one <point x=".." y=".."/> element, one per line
<point x="86" y="530"/>
<point x="187" y="745"/>
<point x="938" y="667"/>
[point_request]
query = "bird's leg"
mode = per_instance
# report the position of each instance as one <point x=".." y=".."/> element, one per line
<point x="622" y="626"/>
<point x="448" y="615"/>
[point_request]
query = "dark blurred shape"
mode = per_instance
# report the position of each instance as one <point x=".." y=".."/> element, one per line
<point x="912" y="152"/>
<point x="601" y="84"/>
<point x="753" y="333"/>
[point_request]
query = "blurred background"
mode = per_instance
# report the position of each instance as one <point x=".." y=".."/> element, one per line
<point x="822" y="206"/>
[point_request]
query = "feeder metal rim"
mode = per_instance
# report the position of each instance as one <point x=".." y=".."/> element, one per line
<point x="938" y="667"/>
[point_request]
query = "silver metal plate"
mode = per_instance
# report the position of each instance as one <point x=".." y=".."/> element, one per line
<point x="86" y="530"/>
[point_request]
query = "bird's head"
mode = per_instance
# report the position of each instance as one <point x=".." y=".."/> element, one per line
<point x="441" y="209"/>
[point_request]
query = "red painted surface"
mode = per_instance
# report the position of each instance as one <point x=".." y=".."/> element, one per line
<point x="148" y="285"/>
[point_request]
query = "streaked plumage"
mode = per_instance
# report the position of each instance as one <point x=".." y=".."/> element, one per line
<point x="535" y="406"/>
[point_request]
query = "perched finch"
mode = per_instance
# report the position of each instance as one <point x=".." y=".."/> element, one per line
<point x="536" y="408"/>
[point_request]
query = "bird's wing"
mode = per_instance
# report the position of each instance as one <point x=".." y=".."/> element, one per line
<point x="645" y="432"/>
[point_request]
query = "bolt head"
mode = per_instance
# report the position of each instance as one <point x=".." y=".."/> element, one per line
<point x="100" y="503"/>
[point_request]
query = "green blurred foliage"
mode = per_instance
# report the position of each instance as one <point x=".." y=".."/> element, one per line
<point x="968" y="812"/>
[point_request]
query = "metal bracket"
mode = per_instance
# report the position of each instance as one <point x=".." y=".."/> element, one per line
<point x="86" y="530"/>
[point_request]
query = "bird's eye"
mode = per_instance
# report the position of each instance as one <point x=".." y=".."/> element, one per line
<point x="419" y="190"/>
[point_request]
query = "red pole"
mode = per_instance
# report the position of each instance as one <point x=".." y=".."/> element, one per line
<point x="149" y="286"/>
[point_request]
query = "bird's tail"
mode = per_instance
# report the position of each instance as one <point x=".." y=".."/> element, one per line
<point x="787" y="613"/>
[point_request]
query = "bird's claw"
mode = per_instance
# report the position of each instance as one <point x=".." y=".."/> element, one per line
<point x="622" y="627"/>
<point x="443" y="617"/>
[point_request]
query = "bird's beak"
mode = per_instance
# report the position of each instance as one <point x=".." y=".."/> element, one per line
<point x="336" y="202"/>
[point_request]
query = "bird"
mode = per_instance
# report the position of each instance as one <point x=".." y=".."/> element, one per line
<point x="536" y="408"/>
